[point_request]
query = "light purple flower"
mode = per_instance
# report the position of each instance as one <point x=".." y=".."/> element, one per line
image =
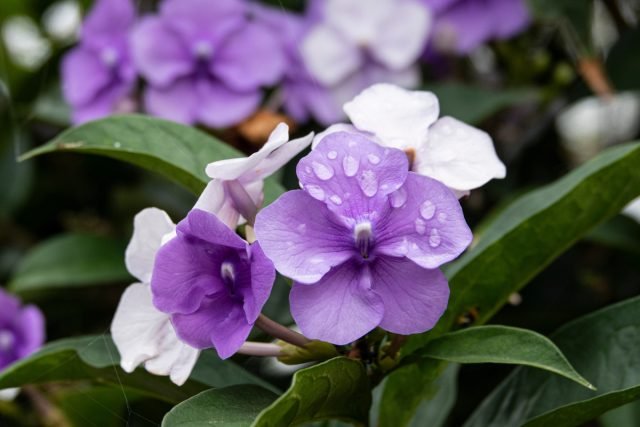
<point x="98" y="75"/>
<point x="22" y="329"/>
<point x="205" y="61"/>
<point x="363" y="241"/>
<point x="463" y="25"/>
<point x="212" y="283"/>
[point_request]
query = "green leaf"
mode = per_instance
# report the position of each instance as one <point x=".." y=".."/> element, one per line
<point x="623" y="62"/>
<point x="338" y="388"/>
<point x="235" y="406"/>
<point x="624" y="416"/>
<point x="603" y="345"/>
<point x="176" y="151"/>
<point x="502" y="344"/>
<point x="474" y="104"/>
<point x="95" y="358"/>
<point x="620" y="232"/>
<point x="71" y="260"/>
<point x="433" y="412"/>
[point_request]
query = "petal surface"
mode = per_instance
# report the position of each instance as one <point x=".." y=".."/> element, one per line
<point x="359" y="22"/>
<point x="263" y="275"/>
<point x="511" y="17"/>
<point x="149" y="227"/>
<point x="83" y="75"/>
<point x="178" y="101"/>
<point x="458" y="155"/>
<point x="31" y="325"/>
<point x="214" y="199"/>
<point x="108" y="18"/>
<point x="399" y="117"/>
<point x="426" y="224"/>
<point x="340" y="308"/>
<point x="352" y="175"/>
<point x="220" y="106"/>
<point x="143" y="334"/>
<point x="302" y="237"/>
<point x="414" y="298"/>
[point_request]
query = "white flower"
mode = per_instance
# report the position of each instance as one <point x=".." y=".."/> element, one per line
<point x="456" y="154"/>
<point x="142" y="333"/>
<point x="235" y="192"/>
<point x="391" y="32"/>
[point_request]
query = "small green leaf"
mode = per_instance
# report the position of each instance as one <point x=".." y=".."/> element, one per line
<point x="603" y="345"/>
<point x="234" y="406"/>
<point x="71" y="260"/>
<point x="502" y="344"/>
<point x="337" y="388"/>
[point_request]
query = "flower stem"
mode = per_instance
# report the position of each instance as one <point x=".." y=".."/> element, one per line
<point x="251" y="348"/>
<point x="281" y="332"/>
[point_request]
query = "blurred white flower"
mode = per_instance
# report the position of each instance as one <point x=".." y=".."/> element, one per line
<point x="25" y="44"/>
<point x="62" y="20"/>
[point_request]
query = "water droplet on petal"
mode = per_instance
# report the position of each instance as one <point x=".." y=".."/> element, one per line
<point x="373" y="159"/>
<point x="350" y="165"/>
<point x="336" y="200"/>
<point x="398" y="198"/>
<point x="315" y="192"/>
<point x="331" y="155"/>
<point x="322" y="171"/>
<point x="434" y="238"/>
<point x="442" y="217"/>
<point x="421" y="226"/>
<point x="427" y="209"/>
<point x="307" y="169"/>
<point x="368" y="183"/>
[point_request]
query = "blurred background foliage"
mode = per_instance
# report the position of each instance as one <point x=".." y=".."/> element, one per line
<point x="75" y="211"/>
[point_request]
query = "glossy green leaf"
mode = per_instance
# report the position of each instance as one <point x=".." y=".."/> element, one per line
<point x="473" y="104"/>
<point x="95" y="358"/>
<point x="176" y="151"/>
<point x="338" y="388"/>
<point x="502" y="344"/>
<point x="234" y="406"/>
<point x="520" y="242"/>
<point x="71" y="260"/>
<point x="624" y="416"/>
<point x="604" y="346"/>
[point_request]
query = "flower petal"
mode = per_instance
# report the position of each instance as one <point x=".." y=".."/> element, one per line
<point x="399" y="117"/>
<point x="108" y="19"/>
<point x="158" y="52"/>
<point x="263" y="275"/>
<point x="220" y="106"/>
<point x="459" y="29"/>
<point x="302" y="237"/>
<point x="511" y="17"/>
<point x="340" y="308"/>
<point x="335" y="128"/>
<point x="149" y="227"/>
<point x="359" y="22"/>
<point x="178" y="102"/>
<point x="460" y="156"/>
<point x="328" y="57"/>
<point x="414" y="298"/>
<point x="352" y="174"/>
<point x="426" y="224"/>
<point x="404" y="37"/>
<point x="84" y="76"/>
<point x="31" y="324"/>
<point x="143" y="334"/>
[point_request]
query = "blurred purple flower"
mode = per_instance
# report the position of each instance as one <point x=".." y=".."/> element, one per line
<point x="213" y="283"/>
<point x="22" y="329"/>
<point x="363" y="241"/>
<point x="463" y="25"/>
<point x="98" y="74"/>
<point x="205" y="61"/>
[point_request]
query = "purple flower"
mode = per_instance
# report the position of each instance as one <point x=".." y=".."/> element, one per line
<point x="363" y="241"/>
<point x="98" y="75"/>
<point x="213" y="283"/>
<point x="21" y="329"/>
<point x="205" y="61"/>
<point x="462" y="25"/>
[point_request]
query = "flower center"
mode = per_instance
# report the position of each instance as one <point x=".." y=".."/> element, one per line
<point x="228" y="273"/>
<point x="6" y="340"/>
<point x="109" y="56"/>
<point x="362" y="234"/>
<point x="202" y="50"/>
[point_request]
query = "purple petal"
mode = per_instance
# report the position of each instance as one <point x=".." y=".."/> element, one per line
<point x="220" y="106"/>
<point x="352" y="174"/>
<point x="510" y="16"/>
<point x="106" y="102"/>
<point x="219" y="322"/>
<point x="302" y="237"/>
<point x="426" y="224"/>
<point x="340" y="308"/>
<point x="414" y="298"/>
<point x="206" y="226"/>
<point x="251" y="58"/>
<point x="263" y="275"/>
<point x="83" y="75"/>
<point x="466" y="23"/>
<point x="108" y="19"/>
<point x="178" y="102"/>
<point x="158" y="52"/>
<point x="30" y="324"/>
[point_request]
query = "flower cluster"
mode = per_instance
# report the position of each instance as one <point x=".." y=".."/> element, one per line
<point x="362" y="240"/>
<point x="208" y="62"/>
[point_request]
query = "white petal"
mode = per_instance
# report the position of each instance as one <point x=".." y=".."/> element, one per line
<point x="214" y="200"/>
<point x="458" y="155"/>
<point x="143" y="334"/>
<point x="149" y="226"/>
<point x="278" y="158"/>
<point x="404" y="37"/>
<point x="9" y="394"/>
<point x="399" y="117"/>
<point x="328" y="56"/>
<point x="633" y="210"/>
<point x="338" y="127"/>
<point x="357" y="20"/>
